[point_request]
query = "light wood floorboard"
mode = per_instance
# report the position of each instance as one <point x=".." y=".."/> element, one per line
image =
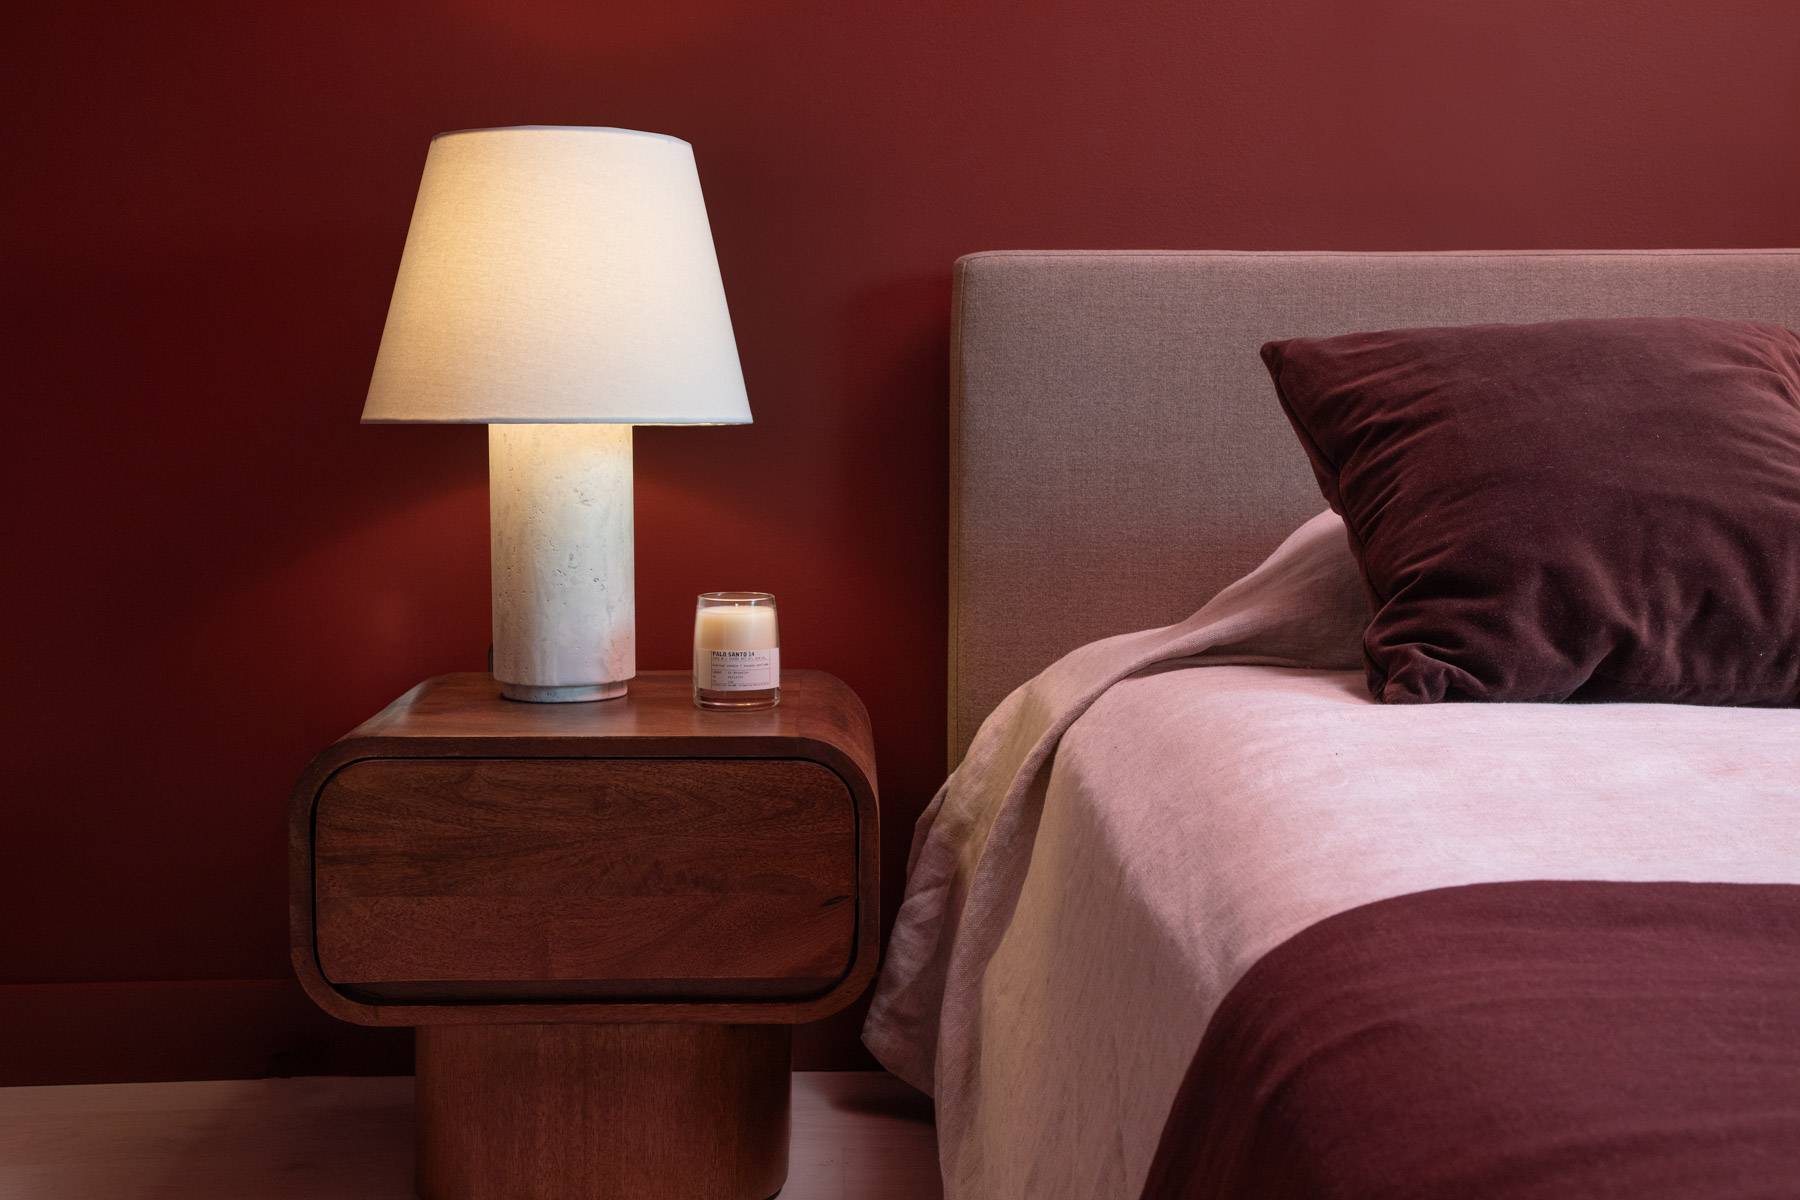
<point x="857" y="1136"/>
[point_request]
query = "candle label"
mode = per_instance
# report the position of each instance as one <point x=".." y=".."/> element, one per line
<point x="737" y="670"/>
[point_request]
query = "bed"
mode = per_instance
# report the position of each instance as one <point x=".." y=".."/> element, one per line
<point x="1193" y="916"/>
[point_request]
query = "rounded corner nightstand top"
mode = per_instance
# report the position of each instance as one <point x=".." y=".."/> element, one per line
<point x="815" y="709"/>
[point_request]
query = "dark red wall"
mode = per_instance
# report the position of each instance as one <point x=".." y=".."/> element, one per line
<point x="212" y="570"/>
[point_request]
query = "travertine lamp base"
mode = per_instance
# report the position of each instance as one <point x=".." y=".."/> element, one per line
<point x="565" y="618"/>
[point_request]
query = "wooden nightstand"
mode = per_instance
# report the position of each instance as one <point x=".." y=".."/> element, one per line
<point x="604" y="919"/>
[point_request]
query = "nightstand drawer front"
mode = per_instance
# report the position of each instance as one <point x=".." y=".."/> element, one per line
<point x="508" y="879"/>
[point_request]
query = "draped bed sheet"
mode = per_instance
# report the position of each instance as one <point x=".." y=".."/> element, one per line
<point x="1136" y="828"/>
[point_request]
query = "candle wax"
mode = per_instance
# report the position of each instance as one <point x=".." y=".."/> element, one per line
<point x="735" y="627"/>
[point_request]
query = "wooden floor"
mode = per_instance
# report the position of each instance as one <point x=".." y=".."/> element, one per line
<point x="857" y="1136"/>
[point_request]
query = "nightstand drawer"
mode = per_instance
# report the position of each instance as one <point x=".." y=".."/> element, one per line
<point x="521" y="879"/>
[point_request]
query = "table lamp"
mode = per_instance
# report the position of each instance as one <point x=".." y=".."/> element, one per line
<point x="559" y="285"/>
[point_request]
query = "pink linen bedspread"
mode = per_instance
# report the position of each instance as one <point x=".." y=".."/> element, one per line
<point x="1127" y="836"/>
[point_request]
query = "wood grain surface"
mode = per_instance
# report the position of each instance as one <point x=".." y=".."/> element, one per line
<point x="571" y="1112"/>
<point x="658" y="717"/>
<point x="671" y="877"/>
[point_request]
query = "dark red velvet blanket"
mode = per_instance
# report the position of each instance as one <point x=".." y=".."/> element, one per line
<point x="1507" y="1041"/>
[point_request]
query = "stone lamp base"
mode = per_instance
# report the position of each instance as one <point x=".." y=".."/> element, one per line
<point x="565" y="615"/>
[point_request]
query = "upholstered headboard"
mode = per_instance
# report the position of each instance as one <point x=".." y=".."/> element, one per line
<point x="1116" y="451"/>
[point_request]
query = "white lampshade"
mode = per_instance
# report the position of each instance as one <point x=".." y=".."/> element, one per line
<point x="558" y="274"/>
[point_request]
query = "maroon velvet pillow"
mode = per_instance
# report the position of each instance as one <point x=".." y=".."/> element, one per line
<point x="1603" y="510"/>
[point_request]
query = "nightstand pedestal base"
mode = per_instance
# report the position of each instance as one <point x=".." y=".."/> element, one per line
<point x="581" y="1111"/>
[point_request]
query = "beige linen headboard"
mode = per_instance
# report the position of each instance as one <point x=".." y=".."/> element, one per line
<point x="1116" y="451"/>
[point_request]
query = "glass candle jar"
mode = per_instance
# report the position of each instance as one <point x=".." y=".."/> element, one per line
<point x="737" y="651"/>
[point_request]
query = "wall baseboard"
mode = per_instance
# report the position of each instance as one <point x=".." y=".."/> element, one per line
<point x="155" y="1030"/>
